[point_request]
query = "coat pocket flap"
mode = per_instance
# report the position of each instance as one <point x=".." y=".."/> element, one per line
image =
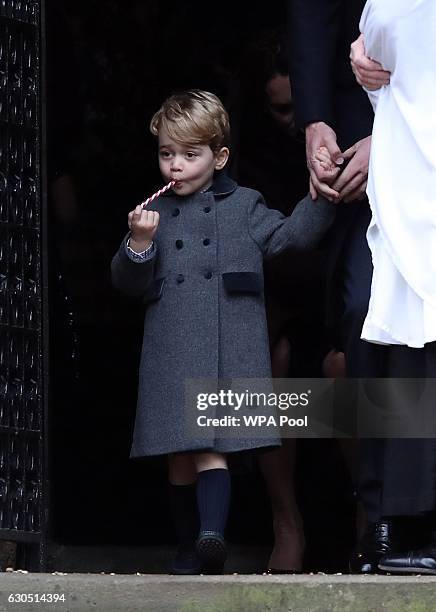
<point x="154" y="291"/>
<point x="243" y="282"/>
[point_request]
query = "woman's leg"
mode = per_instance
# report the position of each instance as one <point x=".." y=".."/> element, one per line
<point x="278" y="469"/>
<point x="280" y="358"/>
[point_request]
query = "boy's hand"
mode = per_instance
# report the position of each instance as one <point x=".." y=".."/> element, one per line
<point x="143" y="226"/>
<point x="323" y="156"/>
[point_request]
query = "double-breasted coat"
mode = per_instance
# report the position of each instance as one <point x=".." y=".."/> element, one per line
<point x="203" y="291"/>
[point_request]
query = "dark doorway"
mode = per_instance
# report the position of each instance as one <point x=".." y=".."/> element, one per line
<point x="110" y="64"/>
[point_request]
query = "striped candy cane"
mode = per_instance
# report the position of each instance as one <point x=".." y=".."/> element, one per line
<point x="158" y="193"/>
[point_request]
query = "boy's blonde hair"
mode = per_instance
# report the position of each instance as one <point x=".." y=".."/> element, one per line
<point x="194" y="117"/>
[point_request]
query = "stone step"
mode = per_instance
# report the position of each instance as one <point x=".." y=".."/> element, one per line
<point x="156" y="593"/>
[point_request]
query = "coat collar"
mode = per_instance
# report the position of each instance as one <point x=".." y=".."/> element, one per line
<point x="222" y="185"/>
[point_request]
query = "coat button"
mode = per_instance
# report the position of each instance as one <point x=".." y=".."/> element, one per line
<point x="207" y="209"/>
<point x="179" y="244"/>
<point x="176" y="212"/>
<point x="180" y="278"/>
<point x="208" y="275"/>
<point x="206" y="242"/>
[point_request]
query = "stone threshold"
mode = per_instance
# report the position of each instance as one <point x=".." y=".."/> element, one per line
<point x="236" y="593"/>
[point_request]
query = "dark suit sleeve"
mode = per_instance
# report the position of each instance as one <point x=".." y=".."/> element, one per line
<point x="313" y="30"/>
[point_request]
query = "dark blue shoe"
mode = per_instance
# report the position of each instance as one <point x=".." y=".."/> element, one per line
<point x="212" y="551"/>
<point x="186" y="563"/>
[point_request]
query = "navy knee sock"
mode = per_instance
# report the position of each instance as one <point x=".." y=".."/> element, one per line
<point x="184" y="510"/>
<point x="213" y="496"/>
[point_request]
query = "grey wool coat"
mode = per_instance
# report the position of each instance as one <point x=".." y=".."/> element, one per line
<point x="203" y="292"/>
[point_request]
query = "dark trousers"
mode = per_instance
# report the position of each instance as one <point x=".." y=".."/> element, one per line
<point x="397" y="477"/>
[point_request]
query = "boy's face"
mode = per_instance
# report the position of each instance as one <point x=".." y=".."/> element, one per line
<point x="191" y="166"/>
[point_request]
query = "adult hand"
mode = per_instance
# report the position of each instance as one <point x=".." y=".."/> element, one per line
<point x="351" y="184"/>
<point x="368" y="73"/>
<point x="318" y="135"/>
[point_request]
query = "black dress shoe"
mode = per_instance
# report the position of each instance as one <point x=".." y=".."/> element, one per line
<point x="375" y="543"/>
<point x="422" y="561"/>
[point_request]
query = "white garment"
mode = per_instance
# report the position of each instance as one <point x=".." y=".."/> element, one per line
<point x="401" y="35"/>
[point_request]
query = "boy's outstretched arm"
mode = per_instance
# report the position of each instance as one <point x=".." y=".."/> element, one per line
<point x="302" y="230"/>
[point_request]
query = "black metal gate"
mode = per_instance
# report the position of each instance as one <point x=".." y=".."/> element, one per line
<point x="23" y="329"/>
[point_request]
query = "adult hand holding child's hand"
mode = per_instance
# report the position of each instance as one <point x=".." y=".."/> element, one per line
<point x="352" y="182"/>
<point x="143" y="226"/>
<point x="320" y="135"/>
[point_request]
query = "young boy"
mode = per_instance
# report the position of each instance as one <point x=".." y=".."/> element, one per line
<point x="195" y="256"/>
